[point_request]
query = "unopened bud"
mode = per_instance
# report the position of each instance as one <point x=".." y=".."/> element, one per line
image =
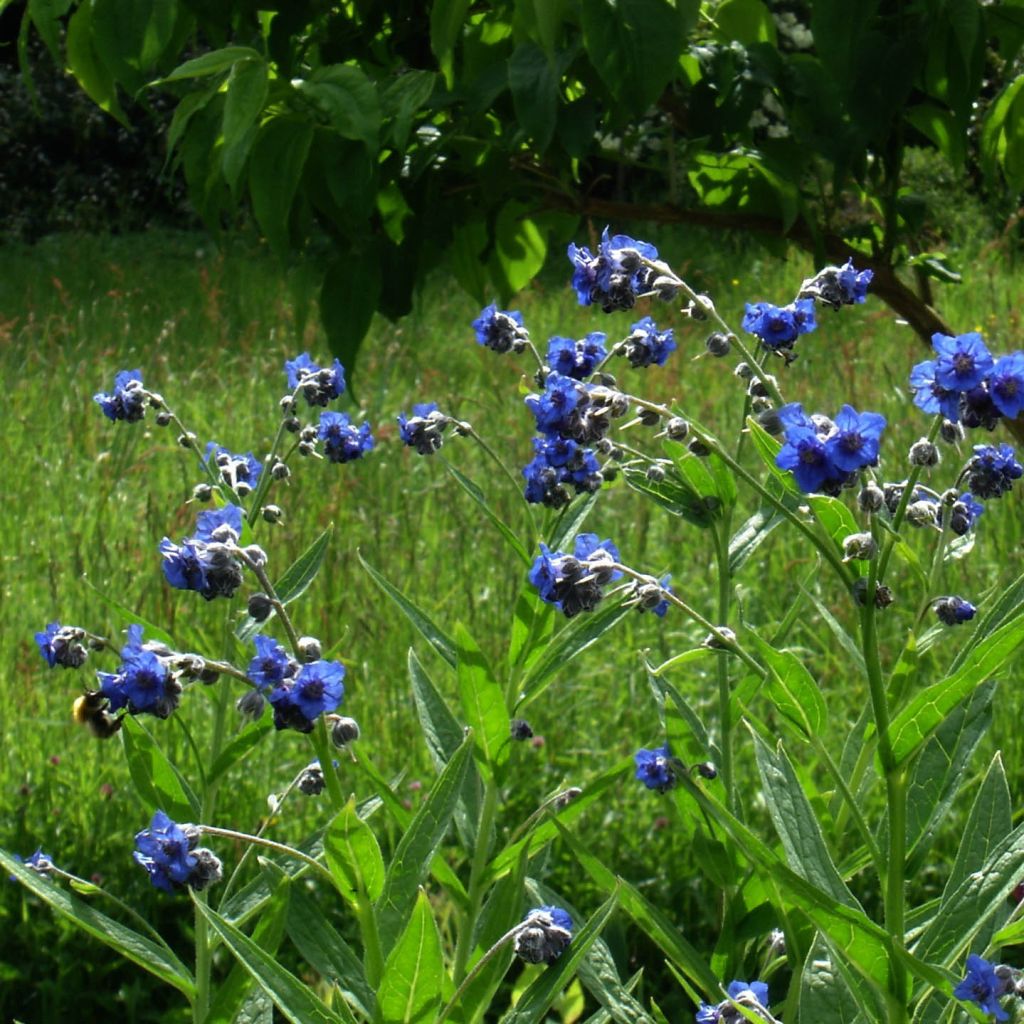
<point x="718" y="345"/>
<point x="698" y="448"/>
<point x="924" y="453"/>
<point x="162" y="418"/>
<point x="677" y="428"/>
<point x="655" y="472"/>
<point x="871" y="498"/>
<point x="520" y="729"/>
<point x="344" y="730"/>
<point x="271" y="513"/>
<point x="308" y="649"/>
<point x="187" y="440"/>
<point x="260" y="606"/>
<point x="951" y="432"/>
<point x="648" y="417"/>
<point x="202" y="492"/>
<point x="859" y="546"/>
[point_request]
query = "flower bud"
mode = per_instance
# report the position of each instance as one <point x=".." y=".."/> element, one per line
<point x="187" y="440"/>
<point x="271" y="513"/>
<point x="520" y="729"/>
<point x="698" y="448"/>
<point x="292" y="425"/>
<point x="202" y="492"/>
<point x="280" y="471"/>
<point x="344" y="730"/>
<point x="655" y="472"/>
<point x="924" y="453"/>
<point x="859" y="546"/>
<point x="677" y="428"/>
<point x="951" y="432"/>
<point x="206" y="869"/>
<point x="648" y="417"/>
<point x="260" y="606"/>
<point x="308" y="649"/>
<point x="744" y="371"/>
<point x="250" y="705"/>
<point x="718" y="345"/>
<point x="716" y="643"/>
<point x="922" y="513"/>
<point x="566" y="797"/>
<point x="883" y="595"/>
<point x="162" y="418"/>
<point x="311" y="781"/>
<point x="707" y="770"/>
<point x="871" y="498"/>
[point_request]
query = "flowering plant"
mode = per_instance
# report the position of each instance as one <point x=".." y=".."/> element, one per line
<point x="833" y="876"/>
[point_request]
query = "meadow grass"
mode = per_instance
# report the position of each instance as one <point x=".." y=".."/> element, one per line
<point x="86" y="502"/>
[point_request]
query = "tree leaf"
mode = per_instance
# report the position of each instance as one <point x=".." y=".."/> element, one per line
<point x="296" y="1001"/>
<point x="247" y="92"/>
<point x="348" y="300"/>
<point x="348" y="99"/>
<point x="447" y="18"/>
<point x="519" y="247"/>
<point x="411" y="987"/>
<point x="403" y="98"/>
<point x="275" y="168"/>
<point x="212" y="63"/>
<point x="533" y="78"/>
<point x="86" y="63"/>
<point x="139" y="949"/>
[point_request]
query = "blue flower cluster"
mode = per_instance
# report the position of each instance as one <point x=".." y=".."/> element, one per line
<point x="752" y="997"/>
<point x="172" y="857"/>
<point x="501" y="330"/>
<point x="574" y="583"/>
<point x="208" y="562"/>
<point x="318" y="384"/>
<point x="954" y="611"/>
<point x="576" y="359"/>
<point x="543" y="935"/>
<point x="616" y="275"/>
<point x="985" y="984"/>
<point x="966" y="384"/>
<point x="39" y="862"/>
<point x="560" y="461"/>
<point x="128" y="399"/>
<point x="778" y="327"/>
<point x="240" y="472"/>
<point x="144" y="682"/>
<point x="343" y="440"/>
<point x="824" y="455"/>
<point x="991" y="471"/>
<point x="646" y="345"/>
<point x="62" y="645"/>
<point x="298" y="693"/>
<point x="837" y="286"/>
<point x="424" y="430"/>
<point x="657" y="769"/>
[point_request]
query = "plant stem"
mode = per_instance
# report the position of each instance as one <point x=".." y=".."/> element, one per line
<point x="722" y="668"/>
<point x="471" y="976"/>
<point x="201" y="1004"/>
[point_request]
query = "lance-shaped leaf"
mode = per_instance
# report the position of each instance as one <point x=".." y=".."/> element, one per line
<point x="483" y="702"/>
<point x="140" y="949"/>
<point x="353" y="856"/>
<point x="792" y="688"/>
<point x="411" y="987"/>
<point x="157" y="781"/>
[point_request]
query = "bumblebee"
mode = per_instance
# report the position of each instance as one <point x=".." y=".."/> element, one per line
<point x="91" y="711"/>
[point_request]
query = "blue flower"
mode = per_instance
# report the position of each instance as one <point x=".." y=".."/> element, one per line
<point x="930" y="396"/>
<point x="953" y="611"/>
<point x="543" y="935"/>
<point x="838" y="286"/>
<point x="963" y="362"/>
<point x="271" y="664"/>
<point x="646" y="345"/>
<point x="39" y="862"/>
<point x="424" y="429"/>
<point x="991" y="471"/>
<point x="560" y="461"/>
<point x="1006" y="385"/>
<point x="752" y="996"/>
<point x="656" y="769"/>
<point x="142" y="683"/>
<point x="319" y="385"/>
<point x="558" y="409"/>
<point x="316" y="688"/>
<point x="62" y="645"/>
<point x="977" y="408"/>
<point x="778" y="327"/>
<point x="964" y="514"/>
<point x="165" y="851"/>
<point x="983" y="987"/>
<point x="653" y="596"/>
<point x="576" y="359"/>
<point x="854" y="284"/>
<point x="240" y="472"/>
<point x="854" y="444"/>
<point x="128" y="399"/>
<point x="343" y="440"/>
<point x="616" y="275"/>
<point x="500" y="330"/>
<point x="804" y="454"/>
<point x="206" y="561"/>
<point x="573" y="583"/>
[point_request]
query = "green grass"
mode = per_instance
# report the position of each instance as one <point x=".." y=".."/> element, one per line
<point x="86" y="502"/>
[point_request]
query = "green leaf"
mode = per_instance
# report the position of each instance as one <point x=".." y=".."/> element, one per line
<point x="239" y="748"/>
<point x="353" y="856"/>
<point x="634" y="45"/>
<point x="466" y="258"/>
<point x="483" y="702"/>
<point x="767" y="447"/>
<point x="349" y="101"/>
<point x="533" y="78"/>
<point x="571" y="521"/>
<point x="327" y="952"/>
<point x="275" y="168"/>
<point x="86" y="63"/>
<point x="796" y="824"/>
<point x="792" y="688"/>
<point x="825" y="998"/>
<point x="532" y="623"/>
<point x="927" y="709"/>
<point x="672" y="493"/>
<point x="403" y="98"/>
<point x="424" y="625"/>
<point x="158" y="783"/>
<point x="744" y="21"/>
<point x="418" y="846"/>
<point x="649" y="918"/>
<point x="519" y="247"/>
<point x="296" y="1001"/>
<point x="348" y="300"/>
<point x="939" y="772"/>
<point x="212" y="63"/>
<point x="294" y="582"/>
<point x="247" y="92"/>
<point x="749" y="537"/>
<point x="447" y="18"/>
<point x="157" y="959"/>
<point x="150" y="631"/>
<point x="581" y="632"/>
<point x="837" y="521"/>
<point x="231" y="993"/>
<point x="410" y="990"/>
<point x="535" y="1002"/>
<point x="46" y="15"/>
<point x="478" y="496"/>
